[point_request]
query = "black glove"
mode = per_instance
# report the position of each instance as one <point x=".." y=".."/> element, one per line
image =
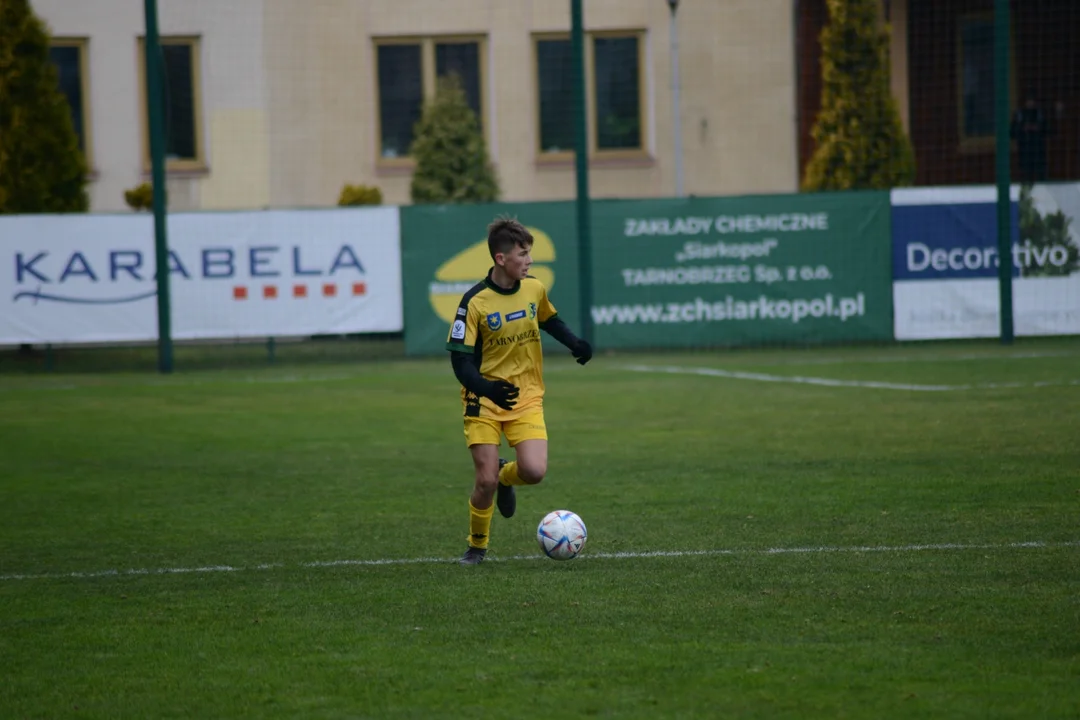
<point x="582" y="350"/>
<point x="502" y="393"/>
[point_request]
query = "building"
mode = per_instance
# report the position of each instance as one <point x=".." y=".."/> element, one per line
<point x="942" y="68"/>
<point x="278" y="103"/>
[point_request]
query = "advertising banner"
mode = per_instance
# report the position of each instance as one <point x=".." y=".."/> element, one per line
<point x="91" y="278"/>
<point x="445" y="252"/>
<point x="742" y="270"/>
<point x="945" y="262"/>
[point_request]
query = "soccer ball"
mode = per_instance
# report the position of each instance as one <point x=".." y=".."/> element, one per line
<point x="561" y="535"/>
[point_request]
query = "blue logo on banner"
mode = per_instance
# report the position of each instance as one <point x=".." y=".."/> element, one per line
<point x="939" y="242"/>
<point x="515" y="316"/>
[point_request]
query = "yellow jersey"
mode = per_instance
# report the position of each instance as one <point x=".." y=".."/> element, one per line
<point x="501" y="328"/>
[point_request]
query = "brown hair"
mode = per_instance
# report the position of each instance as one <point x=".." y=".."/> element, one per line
<point x="506" y="233"/>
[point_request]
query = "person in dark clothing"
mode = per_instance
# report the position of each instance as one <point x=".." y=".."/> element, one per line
<point x="1030" y="128"/>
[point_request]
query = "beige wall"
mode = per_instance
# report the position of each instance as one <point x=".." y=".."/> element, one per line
<point x="232" y="97"/>
<point x="289" y="100"/>
<point x="738" y="94"/>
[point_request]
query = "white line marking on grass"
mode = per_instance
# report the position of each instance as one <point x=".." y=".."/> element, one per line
<point x="184" y="382"/>
<point x="762" y="377"/>
<point x="936" y="358"/>
<point x="627" y="555"/>
<point x="832" y="382"/>
<point x="369" y="563"/>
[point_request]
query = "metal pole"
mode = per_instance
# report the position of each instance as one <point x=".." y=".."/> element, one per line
<point x="676" y="114"/>
<point x="581" y="162"/>
<point x="154" y="112"/>
<point x="1004" y="204"/>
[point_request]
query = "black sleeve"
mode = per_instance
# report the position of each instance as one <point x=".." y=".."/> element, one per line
<point x="559" y="330"/>
<point x="467" y="373"/>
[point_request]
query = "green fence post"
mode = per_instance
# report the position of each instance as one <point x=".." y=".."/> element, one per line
<point x="1004" y="204"/>
<point x="154" y="110"/>
<point x="581" y="162"/>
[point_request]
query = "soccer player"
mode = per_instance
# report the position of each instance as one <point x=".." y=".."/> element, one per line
<point x="495" y="351"/>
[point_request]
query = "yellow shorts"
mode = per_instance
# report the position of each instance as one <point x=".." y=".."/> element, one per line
<point x="486" y="431"/>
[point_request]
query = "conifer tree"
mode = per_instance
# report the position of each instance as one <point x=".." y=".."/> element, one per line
<point x="42" y="169"/>
<point x="859" y="140"/>
<point x="451" y="155"/>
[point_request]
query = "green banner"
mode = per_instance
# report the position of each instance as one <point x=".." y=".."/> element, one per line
<point x="704" y="272"/>
<point x="444" y="253"/>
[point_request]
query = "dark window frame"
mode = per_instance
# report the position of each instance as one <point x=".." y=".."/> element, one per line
<point x="197" y="163"/>
<point x="591" y="100"/>
<point x="428" y="76"/>
<point x="84" y="125"/>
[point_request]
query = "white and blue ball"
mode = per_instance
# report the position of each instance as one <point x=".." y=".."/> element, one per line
<point x="561" y="535"/>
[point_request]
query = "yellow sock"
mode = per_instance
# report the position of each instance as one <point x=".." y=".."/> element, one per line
<point x="508" y="475"/>
<point x="479" y="525"/>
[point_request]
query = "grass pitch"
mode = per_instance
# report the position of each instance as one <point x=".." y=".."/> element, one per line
<point x="822" y="533"/>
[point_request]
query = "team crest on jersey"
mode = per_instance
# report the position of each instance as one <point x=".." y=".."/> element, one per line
<point x="532" y="310"/>
<point x="494" y="321"/>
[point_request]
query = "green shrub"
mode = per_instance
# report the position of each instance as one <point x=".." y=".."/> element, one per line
<point x="140" y="197"/>
<point x="360" y="195"/>
<point x="1045" y="232"/>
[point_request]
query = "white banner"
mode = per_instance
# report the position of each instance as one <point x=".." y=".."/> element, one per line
<point x="274" y="273"/>
<point x="945" y="262"/>
<point x="948" y="309"/>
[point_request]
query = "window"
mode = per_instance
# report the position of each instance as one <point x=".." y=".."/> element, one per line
<point x="462" y="59"/>
<point x="976" y="77"/>
<point x="182" y="110"/>
<point x="617" y="85"/>
<point x="615" y="98"/>
<point x="975" y="80"/>
<point x="70" y="58"/>
<point x="406" y="73"/>
<point x="401" y="96"/>
<point x="555" y="85"/>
